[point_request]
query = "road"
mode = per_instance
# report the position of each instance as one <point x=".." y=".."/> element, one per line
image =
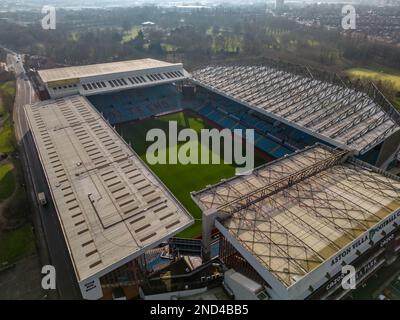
<point x="53" y="249"/>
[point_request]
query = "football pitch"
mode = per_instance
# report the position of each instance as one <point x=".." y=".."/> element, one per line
<point x="180" y="179"/>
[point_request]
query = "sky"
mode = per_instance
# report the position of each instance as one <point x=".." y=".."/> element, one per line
<point x="119" y="3"/>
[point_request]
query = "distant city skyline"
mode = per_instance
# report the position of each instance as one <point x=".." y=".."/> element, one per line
<point x="118" y="3"/>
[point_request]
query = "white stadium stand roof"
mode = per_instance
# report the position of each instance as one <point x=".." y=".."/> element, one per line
<point x="100" y="69"/>
<point x="108" y="77"/>
<point x="110" y="205"/>
<point x="338" y="115"/>
<point x="296" y="214"/>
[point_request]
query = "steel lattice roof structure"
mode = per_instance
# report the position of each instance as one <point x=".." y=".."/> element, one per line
<point x="296" y="213"/>
<point x="335" y="114"/>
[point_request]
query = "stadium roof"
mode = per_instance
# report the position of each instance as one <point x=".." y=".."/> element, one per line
<point x="340" y="116"/>
<point x="59" y="74"/>
<point x="295" y="213"/>
<point x="110" y="205"/>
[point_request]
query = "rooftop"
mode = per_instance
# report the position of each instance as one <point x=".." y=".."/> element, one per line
<point x="338" y="115"/>
<point x="110" y="205"/>
<point x="295" y="213"/>
<point x="93" y="70"/>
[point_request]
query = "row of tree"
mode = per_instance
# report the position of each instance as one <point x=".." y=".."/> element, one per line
<point x="197" y="37"/>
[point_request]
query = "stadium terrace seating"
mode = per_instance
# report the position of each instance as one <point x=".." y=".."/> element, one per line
<point x="205" y="111"/>
<point x="282" y="134"/>
<point x="239" y="126"/>
<point x="275" y="139"/>
<point x="216" y="116"/>
<point x="266" y="145"/>
<point x="280" y="152"/>
<point x="136" y="104"/>
<point x="228" y="123"/>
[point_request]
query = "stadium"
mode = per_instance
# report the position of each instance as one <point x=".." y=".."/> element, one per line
<point x="322" y="145"/>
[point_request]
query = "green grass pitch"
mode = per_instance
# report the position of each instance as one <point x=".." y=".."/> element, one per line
<point x="180" y="179"/>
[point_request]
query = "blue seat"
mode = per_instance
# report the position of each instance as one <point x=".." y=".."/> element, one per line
<point x="216" y="116"/>
<point x="280" y="152"/>
<point x="228" y="123"/>
<point x="266" y="145"/>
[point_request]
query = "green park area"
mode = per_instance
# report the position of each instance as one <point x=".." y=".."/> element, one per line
<point x="7" y="93"/>
<point x="383" y="74"/>
<point x="6" y="136"/>
<point x="16" y="236"/>
<point x="16" y="244"/>
<point x="7" y="180"/>
<point x="131" y="34"/>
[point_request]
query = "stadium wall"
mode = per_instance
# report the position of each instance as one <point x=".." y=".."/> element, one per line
<point x="388" y="151"/>
<point x="313" y="283"/>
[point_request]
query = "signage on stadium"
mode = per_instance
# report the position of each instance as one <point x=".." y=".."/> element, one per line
<point x="364" y="264"/>
<point x="360" y="273"/>
<point x="91" y="289"/>
<point x="366" y="237"/>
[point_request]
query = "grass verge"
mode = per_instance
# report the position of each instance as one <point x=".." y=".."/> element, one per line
<point x="16" y="244"/>
<point x="7" y="180"/>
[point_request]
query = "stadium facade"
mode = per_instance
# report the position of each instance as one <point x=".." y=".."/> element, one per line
<point x="112" y="208"/>
<point x="109" y="77"/>
<point x="295" y="222"/>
